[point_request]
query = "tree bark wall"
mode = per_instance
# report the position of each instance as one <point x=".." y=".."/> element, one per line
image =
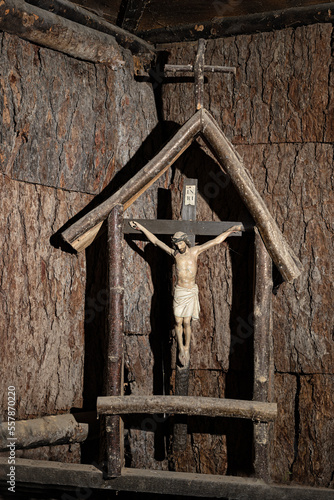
<point x="278" y="112"/>
<point x="67" y="129"/>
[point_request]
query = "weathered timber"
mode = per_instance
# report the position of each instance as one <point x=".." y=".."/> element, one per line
<point x="199" y="228"/>
<point x="77" y="14"/>
<point x="42" y="473"/>
<point x="114" y="372"/>
<point x="263" y="355"/>
<point x="47" y="29"/>
<point x="283" y="256"/>
<point x="187" y="405"/>
<point x="243" y="25"/>
<point x="45" y="431"/>
<point x="81" y="233"/>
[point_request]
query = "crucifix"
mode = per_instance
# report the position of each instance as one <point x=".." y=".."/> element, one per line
<point x="185" y="298"/>
<point x="186" y="306"/>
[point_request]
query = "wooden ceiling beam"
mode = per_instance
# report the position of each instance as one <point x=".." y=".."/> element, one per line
<point x="49" y="30"/>
<point x="133" y="12"/>
<point x="242" y="25"/>
<point x="68" y="10"/>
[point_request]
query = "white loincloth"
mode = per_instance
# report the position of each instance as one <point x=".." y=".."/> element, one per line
<point x="185" y="302"/>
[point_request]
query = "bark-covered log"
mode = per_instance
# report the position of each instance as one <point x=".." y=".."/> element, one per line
<point x="263" y="354"/>
<point x="47" y="29"/>
<point x="187" y="405"/>
<point x="52" y="430"/>
<point x="77" y="14"/>
<point x="114" y="374"/>
<point x="284" y="258"/>
<point x="82" y="232"/>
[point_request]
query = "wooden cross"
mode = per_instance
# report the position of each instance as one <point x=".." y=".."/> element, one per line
<point x="199" y="68"/>
<point x="191" y="227"/>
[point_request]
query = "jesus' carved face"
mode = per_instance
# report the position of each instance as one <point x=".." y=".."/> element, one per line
<point x="180" y="242"/>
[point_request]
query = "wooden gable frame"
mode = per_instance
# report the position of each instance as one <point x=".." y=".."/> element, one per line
<point x="81" y="233"/>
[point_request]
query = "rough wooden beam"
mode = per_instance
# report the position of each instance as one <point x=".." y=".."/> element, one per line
<point x="187" y="405"/>
<point x="132" y="14"/>
<point x="45" y="431"/>
<point x="243" y="25"/>
<point x="286" y="261"/>
<point x="77" y="14"/>
<point x="46" y="474"/>
<point x="80" y="234"/>
<point x="49" y="30"/>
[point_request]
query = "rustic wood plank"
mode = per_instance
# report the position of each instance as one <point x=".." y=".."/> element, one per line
<point x="199" y="228"/>
<point x="187" y="405"/>
<point x="47" y="29"/>
<point x="80" y="15"/>
<point x="286" y="261"/>
<point x="75" y="234"/>
<point x="243" y="25"/>
<point x="44" y="474"/>
<point x="45" y="431"/>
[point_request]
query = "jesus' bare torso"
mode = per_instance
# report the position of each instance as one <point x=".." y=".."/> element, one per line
<point x="185" y="303"/>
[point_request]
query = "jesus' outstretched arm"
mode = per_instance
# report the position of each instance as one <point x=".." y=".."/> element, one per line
<point x="216" y="241"/>
<point x="151" y="237"/>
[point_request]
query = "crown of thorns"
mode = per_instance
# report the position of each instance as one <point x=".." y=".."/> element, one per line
<point x="179" y="236"/>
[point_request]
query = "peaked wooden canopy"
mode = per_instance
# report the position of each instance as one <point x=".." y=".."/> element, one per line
<point x="81" y="233"/>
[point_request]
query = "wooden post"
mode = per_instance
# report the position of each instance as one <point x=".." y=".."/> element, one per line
<point x="114" y="375"/>
<point x="263" y="356"/>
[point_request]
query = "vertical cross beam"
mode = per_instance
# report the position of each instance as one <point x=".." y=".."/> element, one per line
<point x="263" y="355"/>
<point x="199" y="74"/>
<point x="188" y="212"/>
<point x="115" y="319"/>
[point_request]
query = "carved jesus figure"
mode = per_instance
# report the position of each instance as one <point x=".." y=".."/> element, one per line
<point x="185" y="299"/>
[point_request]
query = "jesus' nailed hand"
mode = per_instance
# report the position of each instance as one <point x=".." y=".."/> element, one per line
<point x="185" y="300"/>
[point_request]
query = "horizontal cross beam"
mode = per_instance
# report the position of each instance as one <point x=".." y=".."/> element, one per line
<point x="199" y="228"/>
<point x="189" y="68"/>
<point x="187" y="405"/>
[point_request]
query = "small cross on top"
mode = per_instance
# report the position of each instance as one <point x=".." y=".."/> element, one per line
<point x="199" y="68"/>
